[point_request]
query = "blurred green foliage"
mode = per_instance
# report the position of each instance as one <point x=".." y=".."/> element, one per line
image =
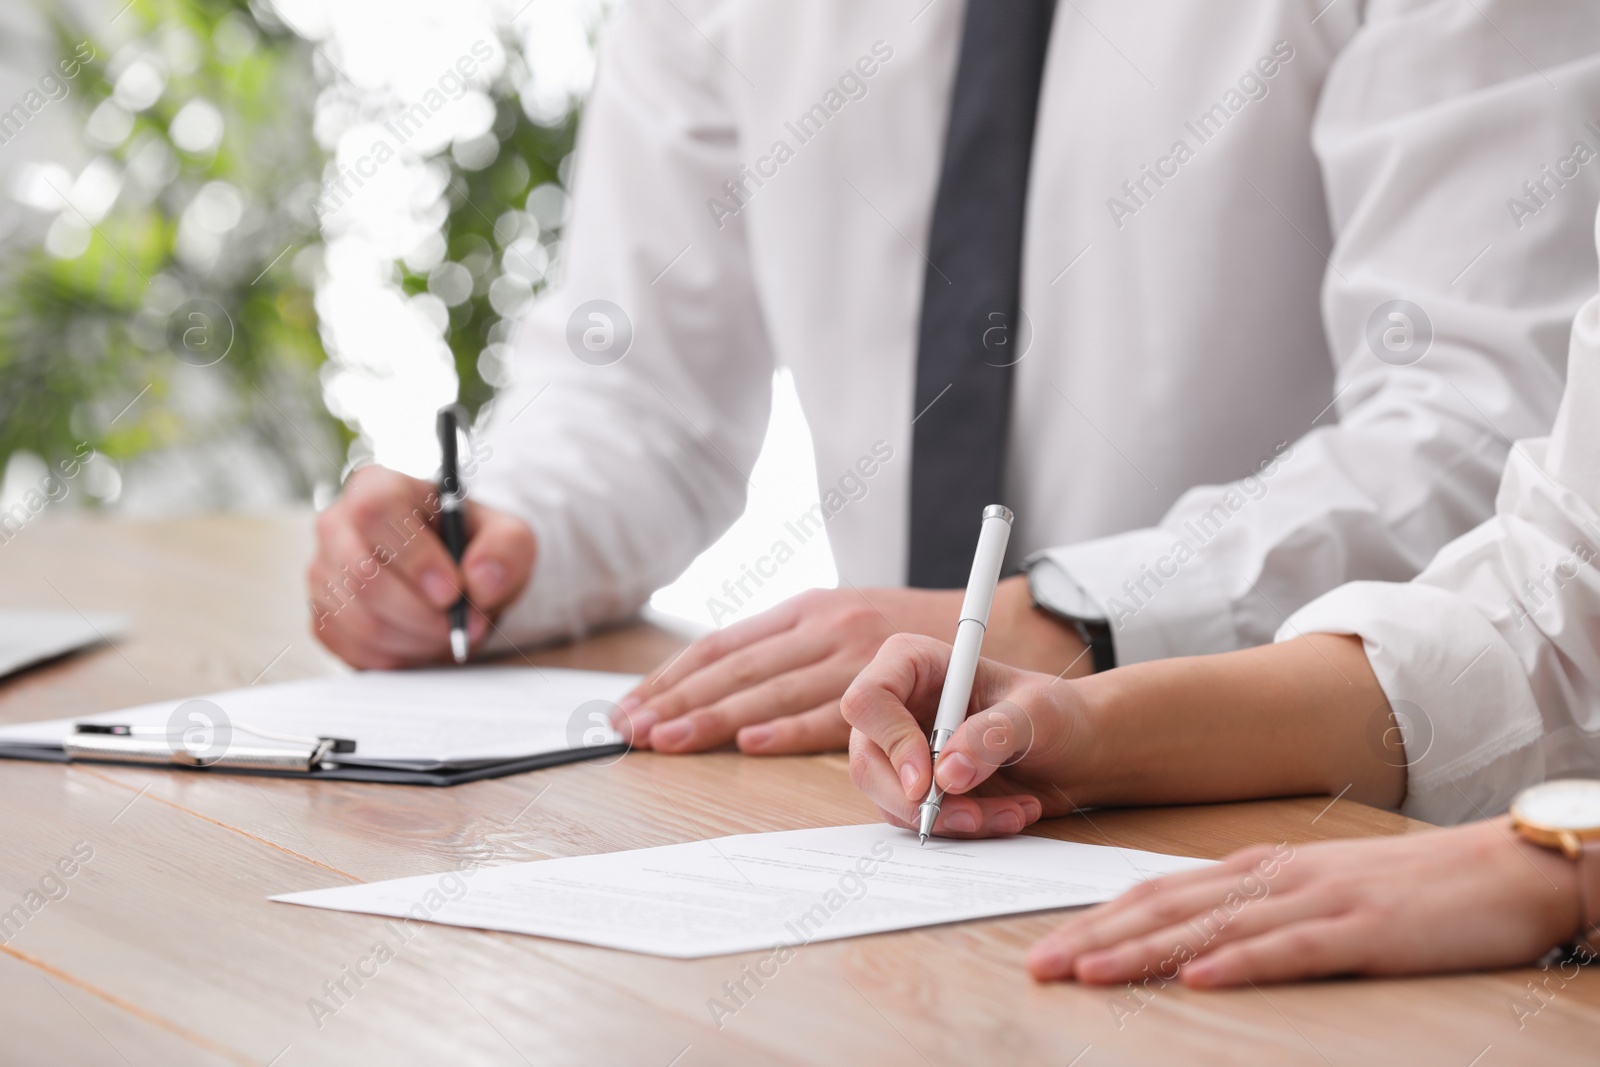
<point x="95" y="337"/>
<point x="504" y="249"/>
<point x="82" y="336"/>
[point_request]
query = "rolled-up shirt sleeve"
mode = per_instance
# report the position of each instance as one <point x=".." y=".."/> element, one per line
<point x="1426" y="123"/>
<point x="1491" y="657"/>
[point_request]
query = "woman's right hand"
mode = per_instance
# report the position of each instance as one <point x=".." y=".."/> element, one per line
<point x="1009" y="764"/>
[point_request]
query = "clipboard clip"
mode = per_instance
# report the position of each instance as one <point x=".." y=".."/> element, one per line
<point x="154" y="744"/>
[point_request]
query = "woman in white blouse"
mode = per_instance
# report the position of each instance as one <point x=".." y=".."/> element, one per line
<point x="1444" y="697"/>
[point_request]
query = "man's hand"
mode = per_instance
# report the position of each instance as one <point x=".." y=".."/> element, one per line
<point x="999" y="769"/>
<point x="773" y="682"/>
<point x="1470" y="898"/>
<point x="382" y="582"/>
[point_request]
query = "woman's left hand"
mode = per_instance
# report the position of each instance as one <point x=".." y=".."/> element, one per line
<point x="1467" y="898"/>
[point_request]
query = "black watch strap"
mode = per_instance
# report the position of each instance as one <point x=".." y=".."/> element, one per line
<point x="1097" y="635"/>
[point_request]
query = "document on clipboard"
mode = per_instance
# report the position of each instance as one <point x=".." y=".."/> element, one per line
<point x="419" y="727"/>
<point x="29" y="637"/>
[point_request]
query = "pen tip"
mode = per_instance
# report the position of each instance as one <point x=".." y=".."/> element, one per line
<point x="458" y="645"/>
<point x="922" y="839"/>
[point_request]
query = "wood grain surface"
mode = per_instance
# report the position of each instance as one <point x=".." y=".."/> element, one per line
<point x="163" y="949"/>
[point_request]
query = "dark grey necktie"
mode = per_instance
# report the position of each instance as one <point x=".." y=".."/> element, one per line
<point x="969" y="336"/>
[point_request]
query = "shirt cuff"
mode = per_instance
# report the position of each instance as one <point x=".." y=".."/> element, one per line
<point x="1159" y="598"/>
<point x="1460" y="696"/>
<point x="547" y="609"/>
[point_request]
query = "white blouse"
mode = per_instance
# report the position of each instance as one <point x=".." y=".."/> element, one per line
<point x="1491" y="657"/>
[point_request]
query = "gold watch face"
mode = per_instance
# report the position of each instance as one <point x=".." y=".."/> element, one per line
<point x="1571" y="804"/>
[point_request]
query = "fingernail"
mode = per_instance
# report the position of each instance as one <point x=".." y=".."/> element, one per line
<point x="908" y="778"/>
<point x="1007" y="822"/>
<point x="622" y="711"/>
<point x="1048" y="962"/>
<point x="956" y="771"/>
<point x="1094" y="966"/>
<point x="437" y="588"/>
<point x="489" y="576"/>
<point x="756" y="738"/>
<point x="961" y="822"/>
<point x="639" y="723"/>
<point x="670" y="733"/>
<point x="1032" y="809"/>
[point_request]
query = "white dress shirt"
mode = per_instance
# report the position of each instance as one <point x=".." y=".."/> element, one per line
<point x="1491" y="657"/>
<point x="1222" y="196"/>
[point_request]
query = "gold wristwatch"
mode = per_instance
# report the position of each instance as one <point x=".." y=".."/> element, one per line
<point x="1564" y="814"/>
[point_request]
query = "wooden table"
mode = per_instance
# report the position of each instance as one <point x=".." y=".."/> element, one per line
<point x="165" y="950"/>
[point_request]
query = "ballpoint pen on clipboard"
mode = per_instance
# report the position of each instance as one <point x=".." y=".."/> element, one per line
<point x="159" y="744"/>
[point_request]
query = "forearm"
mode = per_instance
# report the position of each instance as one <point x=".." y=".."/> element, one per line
<point x="1281" y="720"/>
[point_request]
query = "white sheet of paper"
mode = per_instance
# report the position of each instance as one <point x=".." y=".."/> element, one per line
<point x="452" y="715"/>
<point x="760" y="891"/>
<point x="28" y="637"/>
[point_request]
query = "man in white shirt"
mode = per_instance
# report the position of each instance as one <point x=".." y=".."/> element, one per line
<point x="1289" y="279"/>
<point x="1445" y="697"/>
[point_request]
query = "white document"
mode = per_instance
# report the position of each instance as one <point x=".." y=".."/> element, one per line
<point x="28" y="637"/>
<point x="454" y="716"/>
<point x="760" y="891"/>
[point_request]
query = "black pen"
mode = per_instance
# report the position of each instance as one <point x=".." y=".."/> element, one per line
<point x="452" y="521"/>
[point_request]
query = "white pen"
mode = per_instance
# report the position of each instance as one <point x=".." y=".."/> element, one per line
<point x="992" y="538"/>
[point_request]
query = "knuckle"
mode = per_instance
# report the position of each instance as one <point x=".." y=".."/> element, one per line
<point x="519" y="541"/>
<point x="351" y="652"/>
<point x="363" y="478"/>
<point x="900" y="646"/>
<point x="744" y="672"/>
<point x="1253" y="856"/>
<point x="1167" y="909"/>
<point x="328" y="637"/>
<point x="780" y="691"/>
<point x="1379" y="914"/>
<point x="1142" y="891"/>
<point x="854" y="704"/>
<point x="712" y="646"/>
<point x="863" y="624"/>
<point x="708" y="721"/>
<point x="813" y="600"/>
<point x="328" y="521"/>
<point x="1345" y="888"/>
<point x="858" y="768"/>
<point x="361" y="626"/>
<point x="367" y="509"/>
<point x="853" y="614"/>
<point x="1030" y="695"/>
<point x="1302" y="943"/>
<point x="668" y="704"/>
<point x="903" y="748"/>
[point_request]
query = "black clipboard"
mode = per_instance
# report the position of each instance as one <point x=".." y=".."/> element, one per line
<point x="310" y="762"/>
